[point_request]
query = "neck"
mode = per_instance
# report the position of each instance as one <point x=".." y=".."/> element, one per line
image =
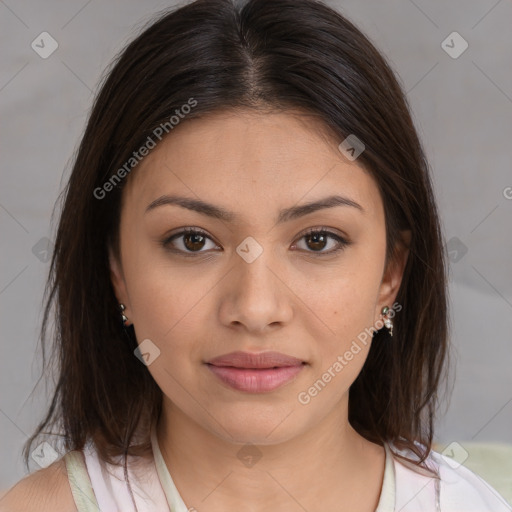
<point x="328" y="464"/>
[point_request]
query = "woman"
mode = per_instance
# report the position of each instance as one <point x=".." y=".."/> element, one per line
<point x="249" y="280"/>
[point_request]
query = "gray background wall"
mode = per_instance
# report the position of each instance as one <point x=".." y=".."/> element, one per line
<point x="463" y="111"/>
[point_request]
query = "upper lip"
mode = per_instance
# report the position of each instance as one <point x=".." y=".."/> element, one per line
<point x="240" y="359"/>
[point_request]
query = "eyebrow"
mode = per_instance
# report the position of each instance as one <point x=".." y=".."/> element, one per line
<point x="285" y="215"/>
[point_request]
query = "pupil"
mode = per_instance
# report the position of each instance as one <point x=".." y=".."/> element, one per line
<point x="316" y="237"/>
<point x="193" y="236"/>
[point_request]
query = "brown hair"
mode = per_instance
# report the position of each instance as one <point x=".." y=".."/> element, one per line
<point x="280" y="55"/>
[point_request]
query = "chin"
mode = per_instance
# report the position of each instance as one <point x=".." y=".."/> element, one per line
<point x="255" y="428"/>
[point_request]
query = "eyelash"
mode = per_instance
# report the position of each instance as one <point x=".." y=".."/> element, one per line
<point x="343" y="243"/>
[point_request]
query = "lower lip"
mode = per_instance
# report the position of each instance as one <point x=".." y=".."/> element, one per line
<point x="255" y="380"/>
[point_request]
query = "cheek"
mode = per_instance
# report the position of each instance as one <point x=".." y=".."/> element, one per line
<point x="343" y="303"/>
<point x="168" y="304"/>
<point x="164" y="294"/>
<point x="170" y="308"/>
<point x="342" y="339"/>
<point x="167" y="308"/>
<point x="343" y="299"/>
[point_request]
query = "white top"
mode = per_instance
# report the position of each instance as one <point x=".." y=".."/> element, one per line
<point x="98" y="487"/>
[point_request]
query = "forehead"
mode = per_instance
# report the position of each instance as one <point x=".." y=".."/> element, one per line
<point x="247" y="159"/>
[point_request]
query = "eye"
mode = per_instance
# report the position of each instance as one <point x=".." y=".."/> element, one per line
<point x="190" y="240"/>
<point x="317" y="239"/>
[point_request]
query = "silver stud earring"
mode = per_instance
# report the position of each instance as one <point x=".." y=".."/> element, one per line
<point x="387" y="321"/>
<point x="123" y="316"/>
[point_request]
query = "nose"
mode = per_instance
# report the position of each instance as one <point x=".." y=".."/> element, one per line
<point x="256" y="297"/>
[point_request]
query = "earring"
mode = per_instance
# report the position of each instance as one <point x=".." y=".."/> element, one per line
<point x="387" y="321"/>
<point x="122" y="307"/>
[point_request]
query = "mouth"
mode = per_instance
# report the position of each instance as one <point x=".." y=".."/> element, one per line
<point x="255" y="373"/>
<point x="248" y="360"/>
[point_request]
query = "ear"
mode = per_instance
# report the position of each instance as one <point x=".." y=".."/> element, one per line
<point x="118" y="282"/>
<point x="393" y="273"/>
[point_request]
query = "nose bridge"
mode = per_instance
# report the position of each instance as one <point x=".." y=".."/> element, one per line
<point x="258" y="298"/>
<point x="254" y="280"/>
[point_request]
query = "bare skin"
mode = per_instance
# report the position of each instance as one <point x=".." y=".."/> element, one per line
<point x="290" y="299"/>
<point x="46" y="490"/>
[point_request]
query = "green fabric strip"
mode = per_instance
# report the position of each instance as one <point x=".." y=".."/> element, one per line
<point x="80" y="483"/>
<point x="174" y="500"/>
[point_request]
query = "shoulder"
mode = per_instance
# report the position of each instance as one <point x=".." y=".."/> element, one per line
<point x="463" y="486"/>
<point x="45" y="490"/>
<point x="459" y="488"/>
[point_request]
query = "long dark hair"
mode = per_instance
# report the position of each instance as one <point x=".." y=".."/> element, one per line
<point x="218" y="55"/>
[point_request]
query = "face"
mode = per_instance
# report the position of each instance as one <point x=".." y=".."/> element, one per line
<point x="255" y="279"/>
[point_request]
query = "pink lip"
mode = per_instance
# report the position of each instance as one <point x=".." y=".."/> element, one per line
<point x="255" y="373"/>
<point x="249" y="360"/>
